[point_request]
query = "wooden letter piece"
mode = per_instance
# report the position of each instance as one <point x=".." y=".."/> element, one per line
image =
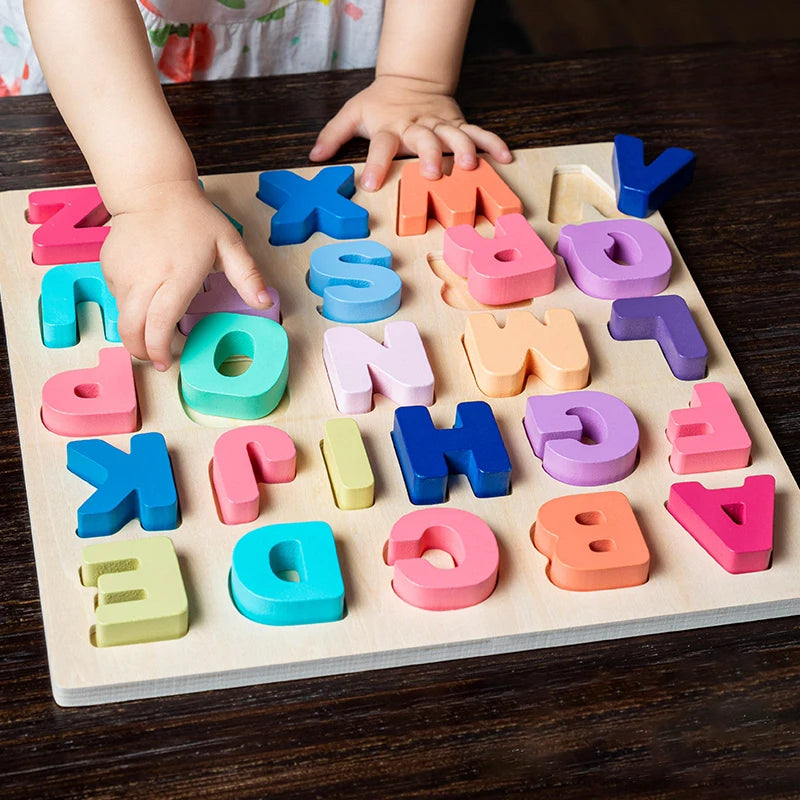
<point x="643" y="188"/>
<point x="733" y="525"/>
<point x="128" y="485"/>
<point x="243" y="458"/>
<point x="515" y="265"/>
<point x="63" y="287"/>
<point x="616" y="258"/>
<point x="355" y="280"/>
<point x="473" y="447"/>
<point x="593" y="542"/>
<point x="256" y="391"/>
<point x="348" y="464"/>
<point x="709" y="435"/>
<point x="668" y="320"/>
<point x="321" y="204"/>
<point x="502" y="358"/>
<point x="556" y="425"/>
<point x="259" y="584"/>
<point x="140" y="591"/>
<point x="71" y="224"/>
<point x="358" y="366"/>
<point x="216" y="295"/>
<point x="469" y="541"/>
<point x="454" y="199"/>
<point x="97" y="401"/>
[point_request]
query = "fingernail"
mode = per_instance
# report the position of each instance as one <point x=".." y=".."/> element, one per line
<point x="369" y="182"/>
<point x="505" y="155"/>
<point x="159" y="366"/>
<point x="263" y="296"/>
<point x="315" y="151"/>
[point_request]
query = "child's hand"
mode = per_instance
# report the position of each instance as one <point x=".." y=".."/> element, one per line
<point x="162" y="245"/>
<point x="410" y="117"/>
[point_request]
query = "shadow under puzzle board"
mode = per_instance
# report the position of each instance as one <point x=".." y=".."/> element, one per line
<point x="222" y="648"/>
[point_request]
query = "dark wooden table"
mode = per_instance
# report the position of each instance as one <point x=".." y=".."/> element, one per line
<point x="714" y="712"/>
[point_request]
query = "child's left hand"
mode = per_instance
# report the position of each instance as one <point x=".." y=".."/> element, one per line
<point x="406" y="116"/>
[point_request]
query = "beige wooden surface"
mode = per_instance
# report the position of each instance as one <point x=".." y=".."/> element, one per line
<point x="222" y="648"/>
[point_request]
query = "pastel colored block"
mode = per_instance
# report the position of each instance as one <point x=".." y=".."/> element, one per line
<point x="469" y="541"/>
<point x="355" y="280"/>
<point x="668" y="320"/>
<point x="709" y="435"/>
<point x="71" y="224"/>
<point x="243" y="458"/>
<point x="262" y="556"/>
<point x="140" y="592"/>
<point x="515" y="265"/>
<point x="63" y="287"/>
<point x="305" y="207"/>
<point x="733" y="525"/>
<point x="128" y="485"/>
<point x="502" y="358"/>
<point x="348" y="464"/>
<point x="616" y="258"/>
<point x="97" y="401"/>
<point x="473" y="447"/>
<point x="558" y="426"/>
<point x="454" y="199"/>
<point x="222" y="336"/>
<point x="593" y="542"/>
<point x="218" y="295"/>
<point x="358" y="366"/>
<point x="643" y="188"/>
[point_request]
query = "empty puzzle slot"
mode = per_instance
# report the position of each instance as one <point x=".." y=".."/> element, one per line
<point x="454" y="289"/>
<point x="579" y="194"/>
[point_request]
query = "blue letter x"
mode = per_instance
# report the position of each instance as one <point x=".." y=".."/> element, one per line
<point x="320" y="204"/>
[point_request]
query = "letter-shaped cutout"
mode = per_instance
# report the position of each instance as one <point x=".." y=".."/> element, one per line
<point x="709" y="435"/>
<point x="358" y="366"/>
<point x="97" y="401"/>
<point x="557" y="424"/>
<point x="466" y="537"/>
<point x="668" y="320"/>
<point x="502" y="358"/>
<point x="321" y="204"/>
<point x="515" y="265"/>
<point x="473" y="447"/>
<point x="139" y="484"/>
<point x="243" y="458"/>
<point x="733" y="525"/>
<point x="593" y="542"/>
<point x="71" y="224"/>
<point x="219" y="337"/>
<point x="140" y="591"/>
<point x="63" y="287"/>
<point x="348" y="464"/>
<point x="217" y="295"/>
<point x="643" y="188"/>
<point x="454" y="199"/>
<point x="355" y="280"/>
<point x="263" y="557"/>
<point x="616" y="258"/>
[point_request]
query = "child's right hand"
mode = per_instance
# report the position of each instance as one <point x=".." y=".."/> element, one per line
<point x="163" y="242"/>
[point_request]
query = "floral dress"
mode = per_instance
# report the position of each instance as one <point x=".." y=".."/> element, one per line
<point x="209" y="39"/>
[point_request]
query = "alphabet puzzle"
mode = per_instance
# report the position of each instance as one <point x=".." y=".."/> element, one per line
<point x="519" y="430"/>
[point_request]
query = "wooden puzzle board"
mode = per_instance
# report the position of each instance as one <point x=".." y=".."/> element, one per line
<point x="686" y="587"/>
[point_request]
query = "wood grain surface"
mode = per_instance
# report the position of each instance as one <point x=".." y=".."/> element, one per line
<point x="709" y="713"/>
